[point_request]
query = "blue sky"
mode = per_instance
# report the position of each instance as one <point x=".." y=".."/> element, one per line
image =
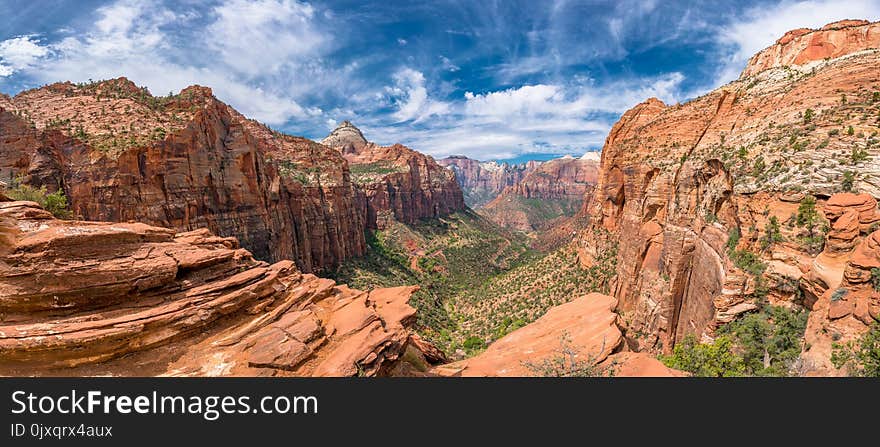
<point x="487" y="79"/>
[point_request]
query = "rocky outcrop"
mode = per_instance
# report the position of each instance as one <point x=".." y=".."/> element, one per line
<point x="556" y="189"/>
<point x="803" y="45"/>
<point x="396" y="182"/>
<point x="583" y="329"/>
<point x="677" y="181"/>
<point x="186" y="161"/>
<point x="482" y="181"/>
<point x="346" y="137"/>
<point x="86" y="298"/>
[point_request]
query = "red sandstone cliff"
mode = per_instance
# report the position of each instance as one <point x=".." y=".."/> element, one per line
<point x="804" y="45"/>
<point x="395" y="182"/>
<point x="676" y="181"/>
<point x="481" y="182"/>
<point x="185" y="162"/>
<point x="557" y="188"/>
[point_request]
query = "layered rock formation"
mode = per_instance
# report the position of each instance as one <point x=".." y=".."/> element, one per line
<point x="804" y="46"/>
<point x="580" y="333"/>
<point x="482" y="181"/>
<point x="83" y="298"/>
<point x="557" y="188"/>
<point x="395" y="182"/>
<point x="186" y="161"/>
<point x="678" y="182"/>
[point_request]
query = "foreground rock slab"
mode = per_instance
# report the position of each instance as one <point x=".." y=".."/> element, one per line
<point x="586" y="326"/>
<point x="96" y="298"/>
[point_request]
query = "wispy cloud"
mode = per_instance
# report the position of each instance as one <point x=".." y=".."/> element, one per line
<point x="483" y="79"/>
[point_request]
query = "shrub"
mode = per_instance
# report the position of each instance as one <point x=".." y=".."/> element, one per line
<point x="848" y="183"/>
<point x="566" y="363"/>
<point x="732" y="239"/>
<point x="875" y="278"/>
<point x="705" y="360"/>
<point x="55" y="203"/>
<point x="861" y="357"/>
<point x="808" y="116"/>
<point x="850" y="131"/>
<point x="473" y="343"/>
<point x="772" y="233"/>
<point x="838" y="294"/>
<point x="748" y="262"/>
<point x="859" y="155"/>
<point x="769" y="341"/>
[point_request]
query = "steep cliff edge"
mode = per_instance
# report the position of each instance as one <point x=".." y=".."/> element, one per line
<point x="95" y="298"/>
<point x="395" y="182"/>
<point x="708" y="201"/>
<point x="555" y="189"/>
<point x="482" y="181"/>
<point x="185" y="161"/>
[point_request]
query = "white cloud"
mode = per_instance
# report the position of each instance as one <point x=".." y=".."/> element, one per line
<point x="260" y="37"/>
<point x="235" y="54"/>
<point x="448" y="65"/>
<point x="761" y="26"/>
<point x="19" y="53"/>
<point x="410" y="95"/>
<point x="401" y="41"/>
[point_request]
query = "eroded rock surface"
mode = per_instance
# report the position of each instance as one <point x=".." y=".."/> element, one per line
<point x="83" y="298"/>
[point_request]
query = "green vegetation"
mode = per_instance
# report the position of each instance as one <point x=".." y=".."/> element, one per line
<point x="808" y="116"/>
<point x="371" y="172"/>
<point x="705" y="360"/>
<point x="477" y="281"/>
<point x="764" y="343"/>
<point x="808" y="217"/>
<point x="848" y="183"/>
<point x="772" y="233"/>
<point x="55" y="202"/>
<point x="860" y="357"/>
<point x="452" y="254"/>
<point x="875" y="278"/>
<point x="859" y="155"/>
<point x="850" y="131"/>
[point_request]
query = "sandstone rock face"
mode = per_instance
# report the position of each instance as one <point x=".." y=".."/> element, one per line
<point x="83" y="298"/>
<point x="346" y="137"/>
<point x="803" y="46"/>
<point x="585" y="326"/>
<point x="481" y="181"/>
<point x="396" y="182"/>
<point x="557" y="188"/>
<point x="184" y="162"/>
<point x="676" y="181"/>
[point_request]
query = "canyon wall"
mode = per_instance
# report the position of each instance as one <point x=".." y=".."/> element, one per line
<point x="189" y="161"/>
<point x="687" y="191"/>
<point x="395" y="182"/>
<point x="482" y="181"/>
<point x="555" y="189"/>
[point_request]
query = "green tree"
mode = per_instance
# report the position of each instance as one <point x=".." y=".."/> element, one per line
<point x="860" y="357"/>
<point x="808" y="116"/>
<point x="715" y="359"/>
<point x="849" y="180"/>
<point x="772" y="234"/>
<point x="768" y="341"/>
